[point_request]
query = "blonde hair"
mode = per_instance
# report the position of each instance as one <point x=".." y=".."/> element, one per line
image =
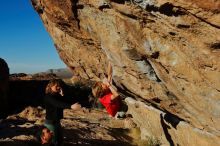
<point x="97" y="90"/>
<point x="53" y="82"/>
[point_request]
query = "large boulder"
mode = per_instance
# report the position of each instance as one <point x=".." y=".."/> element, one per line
<point x="4" y="80"/>
<point x="164" y="53"/>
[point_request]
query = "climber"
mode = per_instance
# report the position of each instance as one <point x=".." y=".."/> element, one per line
<point x="109" y="97"/>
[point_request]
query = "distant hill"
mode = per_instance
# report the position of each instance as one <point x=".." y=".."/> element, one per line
<point x="61" y="72"/>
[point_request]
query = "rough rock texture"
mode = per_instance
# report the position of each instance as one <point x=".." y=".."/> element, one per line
<point x="167" y="128"/>
<point x="164" y="53"/>
<point x="4" y="78"/>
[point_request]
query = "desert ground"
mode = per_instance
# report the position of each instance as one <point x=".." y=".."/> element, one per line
<point x="90" y="127"/>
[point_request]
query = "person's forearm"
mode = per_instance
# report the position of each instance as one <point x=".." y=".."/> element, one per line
<point x="114" y="93"/>
<point x="109" y="72"/>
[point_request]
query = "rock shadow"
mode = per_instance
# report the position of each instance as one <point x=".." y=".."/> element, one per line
<point x="10" y="128"/>
<point x="19" y="143"/>
<point x="23" y="93"/>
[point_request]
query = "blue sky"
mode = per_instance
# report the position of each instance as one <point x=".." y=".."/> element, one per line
<point x="24" y="43"/>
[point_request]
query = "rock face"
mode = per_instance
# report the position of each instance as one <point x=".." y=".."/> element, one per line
<point x="164" y="53"/>
<point x="4" y="78"/>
